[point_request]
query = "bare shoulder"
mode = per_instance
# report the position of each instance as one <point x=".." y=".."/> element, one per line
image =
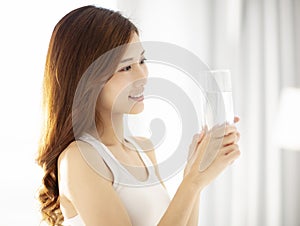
<point x="70" y="153"/>
<point x="80" y="156"/>
<point x="86" y="189"/>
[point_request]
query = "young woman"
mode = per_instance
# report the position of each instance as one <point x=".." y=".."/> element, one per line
<point x="80" y="183"/>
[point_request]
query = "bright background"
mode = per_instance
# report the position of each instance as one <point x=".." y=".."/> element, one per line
<point x="258" y="40"/>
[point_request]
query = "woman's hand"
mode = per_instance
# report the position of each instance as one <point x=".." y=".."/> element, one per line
<point x="225" y="139"/>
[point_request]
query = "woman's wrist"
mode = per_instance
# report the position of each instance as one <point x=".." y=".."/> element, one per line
<point x="193" y="184"/>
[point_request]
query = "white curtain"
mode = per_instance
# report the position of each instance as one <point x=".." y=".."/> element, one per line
<point x="259" y="41"/>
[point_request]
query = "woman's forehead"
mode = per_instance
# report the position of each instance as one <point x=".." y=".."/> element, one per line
<point x="134" y="48"/>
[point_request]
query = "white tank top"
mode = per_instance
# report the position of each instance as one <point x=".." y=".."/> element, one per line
<point x="145" y="201"/>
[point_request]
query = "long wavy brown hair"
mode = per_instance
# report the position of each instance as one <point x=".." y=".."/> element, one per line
<point x="78" y="40"/>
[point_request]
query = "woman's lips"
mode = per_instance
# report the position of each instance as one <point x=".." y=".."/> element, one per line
<point x="140" y="98"/>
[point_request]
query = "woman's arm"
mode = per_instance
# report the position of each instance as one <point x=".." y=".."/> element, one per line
<point x="181" y="206"/>
<point x="186" y="195"/>
<point x="180" y="210"/>
<point x="184" y="207"/>
<point x="193" y="219"/>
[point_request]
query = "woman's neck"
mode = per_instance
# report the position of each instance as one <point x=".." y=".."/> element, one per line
<point x="111" y="132"/>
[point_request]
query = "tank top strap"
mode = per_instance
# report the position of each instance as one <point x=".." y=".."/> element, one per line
<point x="120" y="173"/>
<point x="107" y="156"/>
<point x="143" y="155"/>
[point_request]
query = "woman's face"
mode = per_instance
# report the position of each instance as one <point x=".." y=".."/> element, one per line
<point x="123" y="93"/>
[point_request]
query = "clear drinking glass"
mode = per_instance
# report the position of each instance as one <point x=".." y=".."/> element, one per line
<point x="219" y="101"/>
<point x="218" y="106"/>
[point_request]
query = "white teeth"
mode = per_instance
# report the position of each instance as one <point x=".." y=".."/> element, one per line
<point x="136" y="96"/>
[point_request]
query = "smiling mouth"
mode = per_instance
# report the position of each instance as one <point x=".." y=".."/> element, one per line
<point x="138" y="97"/>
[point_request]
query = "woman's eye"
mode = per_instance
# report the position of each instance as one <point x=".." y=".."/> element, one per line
<point x="143" y="60"/>
<point x="127" y="68"/>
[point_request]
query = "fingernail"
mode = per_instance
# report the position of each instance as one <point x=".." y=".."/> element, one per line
<point x="200" y="136"/>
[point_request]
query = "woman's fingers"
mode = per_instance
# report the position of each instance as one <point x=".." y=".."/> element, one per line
<point x="232" y="138"/>
<point x="201" y="136"/>
<point x="232" y="155"/>
<point x="236" y="119"/>
<point x="223" y="130"/>
<point x="194" y="150"/>
<point x="219" y="141"/>
<point x="202" y="147"/>
<point x="197" y="138"/>
<point x="193" y="144"/>
<point x="228" y="149"/>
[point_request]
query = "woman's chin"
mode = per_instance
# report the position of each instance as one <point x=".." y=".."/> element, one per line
<point x="136" y="109"/>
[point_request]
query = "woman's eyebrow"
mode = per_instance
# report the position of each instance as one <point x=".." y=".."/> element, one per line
<point x="131" y="58"/>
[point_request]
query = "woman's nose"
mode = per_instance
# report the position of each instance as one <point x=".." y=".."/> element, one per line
<point x="142" y="74"/>
<point x="140" y="81"/>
